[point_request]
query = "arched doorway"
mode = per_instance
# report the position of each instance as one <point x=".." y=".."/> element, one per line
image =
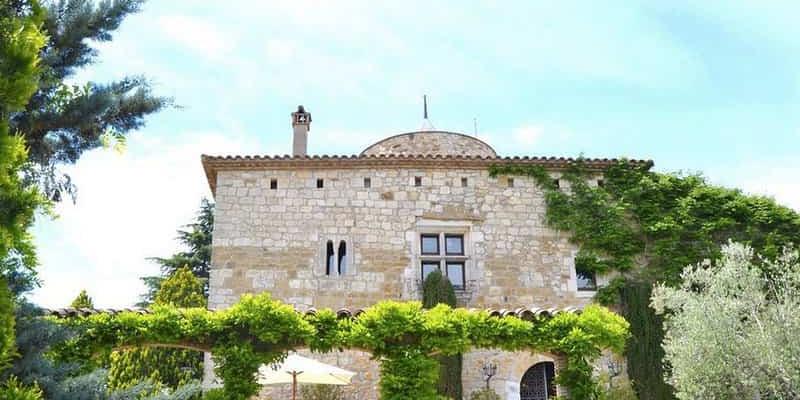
<point x="538" y="382"/>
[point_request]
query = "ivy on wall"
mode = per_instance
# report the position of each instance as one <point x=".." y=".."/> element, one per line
<point x="404" y="337"/>
<point x="648" y="226"/>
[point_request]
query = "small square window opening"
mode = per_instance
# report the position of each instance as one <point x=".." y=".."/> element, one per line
<point x="464" y="182"/>
<point x="511" y="182"/>
<point x="454" y="245"/>
<point x="429" y="244"/>
<point x="428" y="267"/>
<point x="367" y="182"/>
<point x="557" y="183"/>
<point x="417" y="181"/>
<point x="455" y="273"/>
<point x="320" y="183"/>
<point x="273" y="184"/>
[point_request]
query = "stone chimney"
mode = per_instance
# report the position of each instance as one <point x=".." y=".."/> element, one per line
<point x="301" y="124"/>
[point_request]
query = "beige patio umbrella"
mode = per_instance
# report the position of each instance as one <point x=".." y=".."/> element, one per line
<point x="303" y="370"/>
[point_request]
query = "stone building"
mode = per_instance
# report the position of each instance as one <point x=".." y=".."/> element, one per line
<point x="344" y="232"/>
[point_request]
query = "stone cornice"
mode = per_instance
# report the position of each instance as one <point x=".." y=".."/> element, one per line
<point x="213" y="164"/>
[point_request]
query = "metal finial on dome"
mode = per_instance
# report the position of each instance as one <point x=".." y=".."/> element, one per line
<point x="426" y="123"/>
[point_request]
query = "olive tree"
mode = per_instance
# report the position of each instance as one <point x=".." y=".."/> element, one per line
<point x="732" y="327"/>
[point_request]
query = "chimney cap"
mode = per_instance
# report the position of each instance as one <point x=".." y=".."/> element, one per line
<point x="301" y="116"/>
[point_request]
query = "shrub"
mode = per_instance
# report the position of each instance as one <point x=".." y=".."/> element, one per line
<point x="622" y="389"/>
<point x="13" y="390"/>
<point x="214" y="394"/>
<point x="321" y="392"/>
<point x="484" y="394"/>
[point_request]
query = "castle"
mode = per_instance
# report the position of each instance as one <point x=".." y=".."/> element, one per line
<point x="344" y="232"/>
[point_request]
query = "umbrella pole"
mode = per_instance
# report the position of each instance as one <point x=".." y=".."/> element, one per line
<point x="294" y="385"/>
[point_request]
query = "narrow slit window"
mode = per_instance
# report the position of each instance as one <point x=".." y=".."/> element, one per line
<point x="320" y="183"/>
<point x="342" y="254"/>
<point x="417" y="181"/>
<point x="464" y="182"/>
<point x="367" y="182"/>
<point x="273" y="184"/>
<point x="329" y="258"/>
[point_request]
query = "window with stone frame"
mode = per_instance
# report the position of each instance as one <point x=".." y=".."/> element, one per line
<point x="444" y="252"/>
<point x="337" y="258"/>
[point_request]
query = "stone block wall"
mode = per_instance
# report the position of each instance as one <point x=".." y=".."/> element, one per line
<point x="511" y="366"/>
<point x="274" y="240"/>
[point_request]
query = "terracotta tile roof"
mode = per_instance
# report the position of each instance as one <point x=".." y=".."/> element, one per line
<point x="521" y="312"/>
<point x="212" y="164"/>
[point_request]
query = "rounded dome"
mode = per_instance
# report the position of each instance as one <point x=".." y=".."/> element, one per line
<point x="431" y="143"/>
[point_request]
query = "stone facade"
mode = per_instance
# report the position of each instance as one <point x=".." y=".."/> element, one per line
<point x="273" y="226"/>
<point x="274" y="239"/>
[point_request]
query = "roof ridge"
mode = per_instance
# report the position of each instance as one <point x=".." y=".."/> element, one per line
<point x="526" y="313"/>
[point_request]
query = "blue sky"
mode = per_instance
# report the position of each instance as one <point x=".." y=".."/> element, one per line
<point x="696" y="86"/>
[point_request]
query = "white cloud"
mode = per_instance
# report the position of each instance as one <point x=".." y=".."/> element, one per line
<point x="774" y="177"/>
<point x="527" y="135"/>
<point x="128" y="209"/>
<point x="778" y="182"/>
<point x="198" y="35"/>
<point x="280" y="51"/>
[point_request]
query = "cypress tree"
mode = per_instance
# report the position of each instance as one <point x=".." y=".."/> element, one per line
<point x="643" y="350"/>
<point x="436" y="289"/>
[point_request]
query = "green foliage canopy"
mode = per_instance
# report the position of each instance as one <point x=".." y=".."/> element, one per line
<point x="6" y="324"/>
<point x="485" y="394"/>
<point x="12" y="389"/>
<point x="665" y="221"/>
<point x="403" y="336"/>
<point x="82" y="301"/>
<point x="171" y="368"/>
<point x="19" y="76"/>
<point x="661" y="223"/>
<point x="197" y="256"/>
<point x="181" y="289"/>
<point x="62" y="120"/>
<point x="739" y="325"/>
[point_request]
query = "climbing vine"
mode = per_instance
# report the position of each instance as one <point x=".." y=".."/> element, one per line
<point x="648" y="226"/>
<point x="404" y="337"/>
